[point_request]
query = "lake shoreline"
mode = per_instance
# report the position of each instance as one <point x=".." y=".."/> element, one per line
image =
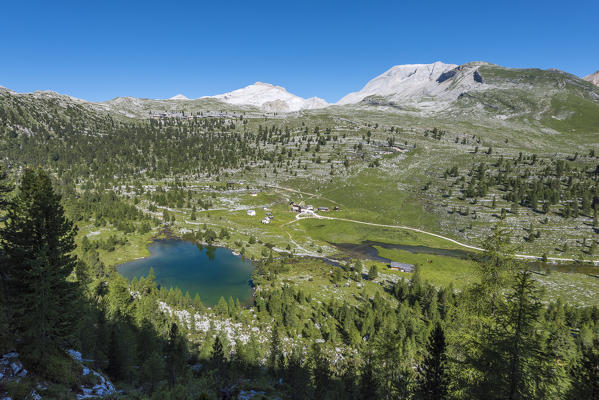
<point x="208" y="270"/>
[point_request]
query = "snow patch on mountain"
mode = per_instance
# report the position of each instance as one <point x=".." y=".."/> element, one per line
<point x="179" y="97"/>
<point x="270" y="98"/>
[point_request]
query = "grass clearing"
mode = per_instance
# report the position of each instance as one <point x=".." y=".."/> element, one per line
<point x="315" y="278"/>
<point x="332" y="231"/>
<point x="438" y="270"/>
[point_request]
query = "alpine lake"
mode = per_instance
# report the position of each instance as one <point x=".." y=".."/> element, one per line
<point x="209" y="271"/>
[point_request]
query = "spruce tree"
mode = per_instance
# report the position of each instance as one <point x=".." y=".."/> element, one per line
<point x="175" y="354"/>
<point x="275" y="351"/>
<point x="432" y="372"/>
<point x="38" y="241"/>
<point x="219" y="361"/>
<point x="373" y="273"/>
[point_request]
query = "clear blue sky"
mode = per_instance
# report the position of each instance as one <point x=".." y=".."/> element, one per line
<point x="98" y="50"/>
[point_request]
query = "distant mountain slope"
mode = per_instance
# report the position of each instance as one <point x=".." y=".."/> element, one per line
<point x="269" y="98"/>
<point x="133" y="107"/>
<point x="403" y="82"/>
<point x="593" y="78"/>
<point x="50" y="113"/>
<point x="550" y="98"/>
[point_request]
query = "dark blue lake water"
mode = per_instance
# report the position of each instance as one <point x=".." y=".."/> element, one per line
<point x="211" y="272"/>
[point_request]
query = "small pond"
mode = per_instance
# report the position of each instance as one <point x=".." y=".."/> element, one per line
<point x="211" y="272"/>
<point x="367" y="249"/>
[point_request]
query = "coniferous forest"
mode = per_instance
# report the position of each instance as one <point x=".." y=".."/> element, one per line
<point x="495" y="339"/>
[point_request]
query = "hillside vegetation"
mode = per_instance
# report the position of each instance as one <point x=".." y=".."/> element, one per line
<point x="485" y="181"/>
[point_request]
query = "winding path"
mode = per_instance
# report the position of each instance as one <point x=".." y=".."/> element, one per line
<point x="312" y="214"/>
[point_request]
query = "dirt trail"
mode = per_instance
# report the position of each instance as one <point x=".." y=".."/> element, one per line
<point x="311" y="214"/>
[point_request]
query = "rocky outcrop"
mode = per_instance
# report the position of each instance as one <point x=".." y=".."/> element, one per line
<point x="102" y="386"/>
<point x="405" y="82"/>
<point x="447" y="75"/>
<point x="11" y="367"/>
<point x="477" y="77"/>
<point x="12" y="370"/>
<point x="420" y="87"/>
<point x="249" y="394"/>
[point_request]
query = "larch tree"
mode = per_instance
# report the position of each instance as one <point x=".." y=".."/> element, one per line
<point x="5" y="188"/>
<point x="511" y="348"/>
<point x="585" y="374"/>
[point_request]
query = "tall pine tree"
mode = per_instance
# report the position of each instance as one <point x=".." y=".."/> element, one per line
<point x="38" y="242"/>
<point x="5" y="337"/>
<point x="176" y="354"/>
<point x="432" y="373"/>
<point x="219" y="362"/>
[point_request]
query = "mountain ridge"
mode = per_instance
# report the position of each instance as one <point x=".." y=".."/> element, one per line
<point x="407" y="77"/>
<point x="472" y="90"/>
<point x="593" y="78"/>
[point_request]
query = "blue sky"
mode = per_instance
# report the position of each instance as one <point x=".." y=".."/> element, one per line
<point x="100" y="50"/>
